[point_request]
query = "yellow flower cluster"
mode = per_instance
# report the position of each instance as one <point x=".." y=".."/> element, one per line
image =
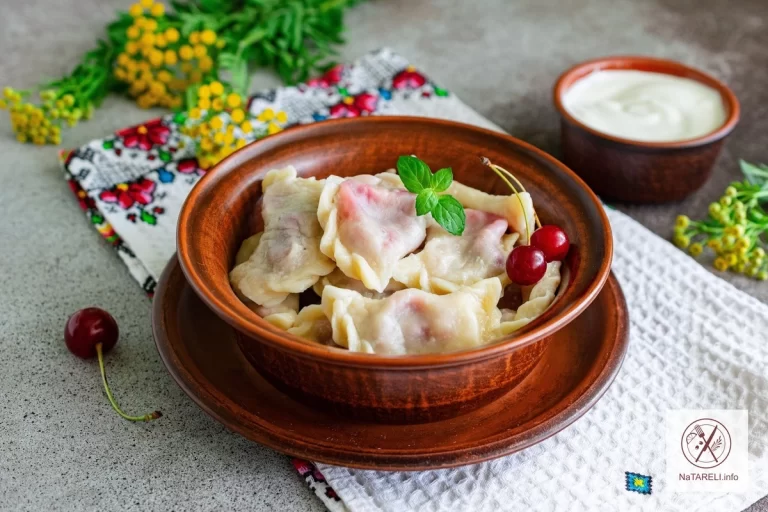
<point x="738" y="253"/>
<point x="157" y="63"/>
<point x="41" y="124"/>
<point x="220" y="124"/>
<point x="734" y="250"/>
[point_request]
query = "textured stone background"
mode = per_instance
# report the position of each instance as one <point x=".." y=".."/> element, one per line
<point x="61" y="447"/>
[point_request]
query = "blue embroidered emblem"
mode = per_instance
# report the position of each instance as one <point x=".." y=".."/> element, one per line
<point x="639" y="483"/>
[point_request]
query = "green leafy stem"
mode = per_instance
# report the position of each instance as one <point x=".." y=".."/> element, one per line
<point x="294" y="37"/>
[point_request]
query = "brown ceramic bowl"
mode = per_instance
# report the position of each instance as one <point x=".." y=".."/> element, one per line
<point x="637" y="171"/>
<point x="222" y="210"/>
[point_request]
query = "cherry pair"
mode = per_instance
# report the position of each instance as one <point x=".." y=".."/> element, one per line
<point x="527" y="264"/>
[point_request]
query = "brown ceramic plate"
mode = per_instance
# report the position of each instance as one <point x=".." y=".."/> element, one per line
<point x="201" y="353"/>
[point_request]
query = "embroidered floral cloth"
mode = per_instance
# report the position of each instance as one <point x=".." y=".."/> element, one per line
<point x="133" y="183"/>
<point x="696" y="342"/>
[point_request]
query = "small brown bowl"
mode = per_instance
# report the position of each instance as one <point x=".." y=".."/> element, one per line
<point x="222" y="210"/>
<point x="637" y="171"/>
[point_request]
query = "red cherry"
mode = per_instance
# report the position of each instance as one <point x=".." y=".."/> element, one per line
<point x="526" y="265"/>
<point x="91" y="332"/>
<point x="552" y="241"/>
<point x="87" y="328"/>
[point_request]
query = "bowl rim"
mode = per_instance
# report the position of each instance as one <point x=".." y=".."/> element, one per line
<point x="628" y="62"/>
<point x="260" y="330"/>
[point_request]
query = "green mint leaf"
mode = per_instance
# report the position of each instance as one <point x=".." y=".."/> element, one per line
<point x="414" y="173"/>
<point x="442" y="179"/>
<point x="426" y="201"/>
<point x="755" y="174"/>
<point x="449" y="213"/>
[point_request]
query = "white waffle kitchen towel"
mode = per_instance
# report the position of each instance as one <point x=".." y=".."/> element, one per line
<point x="696" y="342"/>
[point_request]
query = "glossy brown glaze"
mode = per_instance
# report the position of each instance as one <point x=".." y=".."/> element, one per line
<point x="410" y="395"/>
<point x="201" y="353"/>
<point x="634" y="171"/>
<point x="222" y="210"/>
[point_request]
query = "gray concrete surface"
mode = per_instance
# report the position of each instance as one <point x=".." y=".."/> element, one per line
<point x="61" y="447"/>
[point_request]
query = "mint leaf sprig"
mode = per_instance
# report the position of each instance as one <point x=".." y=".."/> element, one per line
<point x="419" y="179"/>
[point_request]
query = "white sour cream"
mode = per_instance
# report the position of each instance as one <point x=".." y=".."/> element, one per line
<point x="645" y="106"/>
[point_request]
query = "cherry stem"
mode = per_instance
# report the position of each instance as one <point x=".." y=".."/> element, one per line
<point x="535" y="215"/>
<point x="146" y="417"/>
<point x="503" y="173"/>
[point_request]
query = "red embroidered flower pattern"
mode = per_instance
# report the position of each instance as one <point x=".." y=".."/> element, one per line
<point x="366" y="102"/>
<point x="331" y="77"/>
<point x="128" y="194"/>
<point x="189" y="166"/>
<point x="145" y="136"/>
<point x="408" y="79"/>
<point x="354" y="106"/>
<point x="85" y="201"/>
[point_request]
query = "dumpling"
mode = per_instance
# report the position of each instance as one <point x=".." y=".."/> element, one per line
<point x="368" y="226"/>
<point x="390" y="178"/>
<point x="507" y="207"/>
<point x="247" y="248"/>
<point x="282" y="315"/>
<point x="540" y="297"/>
<point x="339" y="279"/>
<point x="312" y="324"/>
<point x="287" y="258"/>
<point x="414" y="321"/>
<point x="449" y="262"/>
